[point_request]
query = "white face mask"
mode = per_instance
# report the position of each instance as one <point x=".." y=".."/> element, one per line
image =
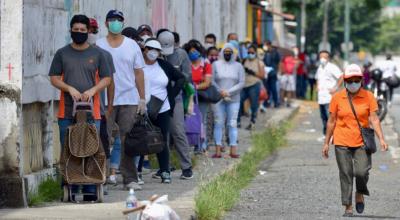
<point x="208" y="45"/>
<point x="92" y="38"/>
<point x="152" y="54"/>
<point x="323" y="61"/>
<point x="353" y="87"/>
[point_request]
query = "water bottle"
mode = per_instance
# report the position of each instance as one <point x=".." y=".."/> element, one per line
<point x="131" y="202"/>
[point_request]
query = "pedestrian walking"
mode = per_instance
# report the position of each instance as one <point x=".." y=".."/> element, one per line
<point x="80" y="71"/>
<point x="271" y="59"/>
<point x="201" y="78"/>
<point x="178" y="58"/>
<point x="352" y="158"/>
<point x="229" y="79"/>
<point x="129" y="99"/>
<point x="255" y="72"/>
<point x="329" y="79"/>
<point x="165" y="83"/>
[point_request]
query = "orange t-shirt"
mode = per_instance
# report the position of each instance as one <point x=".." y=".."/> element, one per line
<point x="346" y="131"/>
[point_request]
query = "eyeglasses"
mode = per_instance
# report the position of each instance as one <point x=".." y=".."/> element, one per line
<point x="353" y="81"/>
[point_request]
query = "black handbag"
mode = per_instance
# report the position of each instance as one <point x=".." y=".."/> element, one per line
<point x="211" y="94"/>
<point x="154" y="106"/>
<point x="367" y="134"/>
<point x="144" y="138"/>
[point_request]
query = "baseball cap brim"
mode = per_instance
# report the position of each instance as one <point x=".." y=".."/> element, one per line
<point x="167" y="50"/>
<point x="347" y="76"/>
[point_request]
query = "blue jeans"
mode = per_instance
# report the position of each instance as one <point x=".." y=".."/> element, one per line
<point x="301" y="86"/>
<point x="63" y="127"/>
<point x="252" y="92"/>
<point x="115" y="158"/>
<point x="203" y="106"/>
<point x="230" y="110"/>
<point x="271" y="86"/>
<point x="324" y="111"/>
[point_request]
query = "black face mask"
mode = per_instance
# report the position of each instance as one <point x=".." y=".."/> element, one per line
<point x="79" y="37"/>
<point x="227" y="56"/>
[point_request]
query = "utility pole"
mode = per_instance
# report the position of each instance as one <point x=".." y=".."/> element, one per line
<point x="325" y="26"/>
<point x="303" y="26"/>
<point x="347" y="30"/>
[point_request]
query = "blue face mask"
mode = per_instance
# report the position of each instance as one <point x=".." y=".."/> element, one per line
<point x="194" y="55"/>
<point x="251" y="56"/>
<point x="353" y="87"/>
<point x="235" y="43"/>
<point x="115" y="27"/>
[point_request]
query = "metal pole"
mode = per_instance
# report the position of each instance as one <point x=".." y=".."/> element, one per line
<point x="303" y="25"/>
<point x="325" y="26"/>
<point x="347" y="30"/>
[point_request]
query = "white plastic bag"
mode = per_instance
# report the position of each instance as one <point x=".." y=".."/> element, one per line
<point x="159" y="210"/>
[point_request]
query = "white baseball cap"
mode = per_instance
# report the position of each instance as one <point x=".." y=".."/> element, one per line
<point x="167" y="41"/>
<point x="153" y="43"/>
<point x="352" y="70"/>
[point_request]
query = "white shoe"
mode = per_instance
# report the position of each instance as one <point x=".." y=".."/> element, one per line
<point x="133" y="185"/>
<point x="112" y="180"/>
<point x="140" y="179"/>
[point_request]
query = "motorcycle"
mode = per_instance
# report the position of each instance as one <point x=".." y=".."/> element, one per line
<point x="380" y="89"/>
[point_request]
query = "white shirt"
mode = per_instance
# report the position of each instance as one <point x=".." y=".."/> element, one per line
<point x="327" y="77"/>
<point x="127" y="57"/>
<point x="157" y="82"/>
<point x="388" y="68"/>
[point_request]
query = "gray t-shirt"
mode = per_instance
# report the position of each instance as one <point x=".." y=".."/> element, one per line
<point x="81" y="70"/>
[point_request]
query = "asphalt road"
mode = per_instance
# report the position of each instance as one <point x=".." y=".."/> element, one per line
<point x="299" y="184"/>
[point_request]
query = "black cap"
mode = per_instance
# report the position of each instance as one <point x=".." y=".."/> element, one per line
<point x="144" y="27"/>
<point x="115" y="14"/>
<point x="131" y="33"/>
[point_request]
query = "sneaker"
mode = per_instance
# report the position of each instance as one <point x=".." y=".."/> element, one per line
<point x="157" y="175"/>
<point x="263" y="109"/>
<point x="112" y="180"/>
<point x="250" y="126"/>
<point x="187" y="174"/>
<point x="140" y="179"/>
<point x="165" y="177"/>
<point x="133" y="185"/>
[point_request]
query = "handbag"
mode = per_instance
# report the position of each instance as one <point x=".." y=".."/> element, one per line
<point x="144" y="138"/>
<point x="211" y="94"/>
<point x="367" y="134"/>
<point x="154" y="106"/>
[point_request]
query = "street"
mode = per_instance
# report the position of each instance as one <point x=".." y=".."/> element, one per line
<point x="300" y="184"/>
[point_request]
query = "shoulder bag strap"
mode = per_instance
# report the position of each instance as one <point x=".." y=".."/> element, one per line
<point x="353" y="110"/>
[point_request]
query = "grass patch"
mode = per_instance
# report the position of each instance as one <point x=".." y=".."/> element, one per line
<point x="220" y="195"/>
<point x="48" y="191"/>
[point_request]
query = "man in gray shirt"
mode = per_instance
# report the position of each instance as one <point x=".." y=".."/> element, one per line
<point x="180" y="60"/>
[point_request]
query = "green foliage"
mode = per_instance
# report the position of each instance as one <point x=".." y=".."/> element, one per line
<point x="221" y="193"/>
<point x="387" y="40"/>
<point x="48" y="191"/>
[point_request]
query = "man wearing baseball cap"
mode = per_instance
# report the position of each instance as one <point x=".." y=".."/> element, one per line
<point x="145" y="30"/>
<point x="129" y="97"/>
<point x="350" y="109"/>
<point x="178" y="58"/>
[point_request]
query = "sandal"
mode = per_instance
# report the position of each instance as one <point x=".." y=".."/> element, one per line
<point x="348" y="213"/>
<point x="235" y="156"/>
<point x="360" y="206"/>
<point x="217" y="156"/>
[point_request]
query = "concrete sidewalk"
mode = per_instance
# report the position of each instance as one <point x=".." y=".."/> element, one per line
<point x="299" y="184"/>
<point x="181" y="192"/>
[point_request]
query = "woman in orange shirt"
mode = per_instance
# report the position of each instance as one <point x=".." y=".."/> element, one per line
<point x="352" y="159"/>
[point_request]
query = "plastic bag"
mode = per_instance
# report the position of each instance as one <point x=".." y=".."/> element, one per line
<point x="159" y="210"/>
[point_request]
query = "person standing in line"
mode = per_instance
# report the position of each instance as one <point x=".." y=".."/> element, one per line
<point x="301" y="74"/>
<point x="329" y="79"/>
<point x="210" y="40"/>
<point x="271" y="59"/>
<point x="352" y="158"/>
<point x="164" y="82"/>
<point x="201" y="78"/>
<point x="229" y="79"/>
<point x="80" y="71"/>
<point x="311" y="73"/>
<point x="178" y="58"/>
<point x="288" y="79"/>
<point x="129" y="99"/>
<point x="255" y="72"/>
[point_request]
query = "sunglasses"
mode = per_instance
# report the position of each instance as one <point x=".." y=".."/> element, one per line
<point x="353" y="81"/>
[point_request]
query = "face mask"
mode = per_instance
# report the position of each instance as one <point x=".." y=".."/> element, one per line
<point x="296" y="52"/>
<point x="252" y="56"/>
<point x="152" y="55"/>
<point x="323" y="61"/>
<point x="235" y="43"/>
<point x="194" y="55"/>
<point x="79" y="37"/>
<point x="265" y="48"/>
<point x="227" y="57"/>
<point x="353" y="87"/>
<point x="212" y="59"/>
<point x="115" y="27"/>
<point x="92" y="38"/>
<point x="208" y="45"/>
